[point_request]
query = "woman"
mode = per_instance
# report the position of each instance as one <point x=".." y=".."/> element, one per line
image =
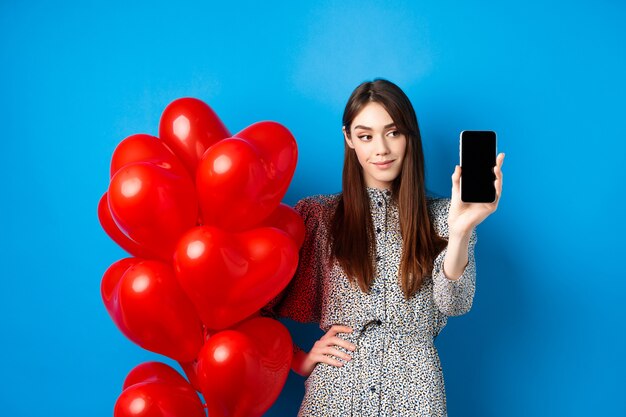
<point x="382" y="268"/>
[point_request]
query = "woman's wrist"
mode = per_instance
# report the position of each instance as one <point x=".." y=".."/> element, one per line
<point x="299" y="356"/>
<point x="460" y="233"/>
<point x="456" y="258"/>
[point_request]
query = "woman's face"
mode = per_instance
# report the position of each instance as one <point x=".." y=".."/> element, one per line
<point x="379" y="147"/>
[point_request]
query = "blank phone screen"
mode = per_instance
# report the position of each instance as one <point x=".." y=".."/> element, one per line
<point x="478" y="158"/>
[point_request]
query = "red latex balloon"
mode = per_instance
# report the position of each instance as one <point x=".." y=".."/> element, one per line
<point x="114" y="232"/>
<point x="242" y="370"/>
<point x="146" y="303"/>
<point x="229" y="182"/>
<point x="109" y="287"/>
<point x="278" y="149"/>
<point x="145" y="148"/>
<point x="230" y="276"/>
<point x="189" y="127"/>
<point x="153" y="206"/>
<point x="155" y="372"/>
<point x="241" y="180"/>
<point x="190" y="371"/>
<point x="155" y="390"/>
<point x="287" y="219"/>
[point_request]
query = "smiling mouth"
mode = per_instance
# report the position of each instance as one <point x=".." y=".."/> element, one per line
<point x="383" y="162"/>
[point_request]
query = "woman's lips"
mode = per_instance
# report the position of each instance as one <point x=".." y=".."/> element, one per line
<point x="383" y="164"/>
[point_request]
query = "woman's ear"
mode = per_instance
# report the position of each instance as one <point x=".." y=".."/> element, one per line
<point x="347" y="138"/>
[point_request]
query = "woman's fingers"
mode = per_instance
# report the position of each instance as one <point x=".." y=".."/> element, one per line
<point x="326" y="348"/>
<point x="498" y="181"/>
<point x="456" y="181"/>
<point x="500" y="159"/>
<point x="498" y="168"/>
<point x="338" y="341"/>
<point x="331" y="337"/>
<point x="329" y="350"/>
<point x="329" y="355"/>
<point x="330" y="361"/>
<point x="456" y="175"/>
<point x="322" y="344"/>
<point x="338" y="328"/>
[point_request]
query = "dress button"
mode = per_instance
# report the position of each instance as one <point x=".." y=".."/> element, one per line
<point x="380" y="204"/>
<point x="378" y="230"/>
<point x="377" y="258"/>
<point x="378" y="322"/>
<point x="373" y="389"/>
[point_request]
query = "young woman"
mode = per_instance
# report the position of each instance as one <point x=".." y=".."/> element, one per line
<point x="382" y="268"/>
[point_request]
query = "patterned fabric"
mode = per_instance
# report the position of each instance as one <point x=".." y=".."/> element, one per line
<point x="395" y="369"/>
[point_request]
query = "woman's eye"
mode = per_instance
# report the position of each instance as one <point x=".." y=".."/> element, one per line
<point x="394" y="133"/>
<point x="365" y="137"/>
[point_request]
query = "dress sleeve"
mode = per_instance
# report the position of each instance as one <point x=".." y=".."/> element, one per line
<point x="301" y="299"/>
<point x="453" y="297"/>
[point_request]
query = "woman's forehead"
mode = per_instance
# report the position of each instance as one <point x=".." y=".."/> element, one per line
<point x="372" y="116"/>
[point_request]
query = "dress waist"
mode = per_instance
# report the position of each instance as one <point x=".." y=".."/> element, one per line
<point x="391" y="330"/>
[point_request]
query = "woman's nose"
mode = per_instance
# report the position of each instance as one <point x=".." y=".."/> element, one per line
<point x="381" y="146"/>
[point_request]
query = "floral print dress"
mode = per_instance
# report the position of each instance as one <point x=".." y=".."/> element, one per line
<point x="395" y="369"/>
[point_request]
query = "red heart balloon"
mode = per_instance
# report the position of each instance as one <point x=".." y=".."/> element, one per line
<point x="189" y="127"/>
<point x="241" y="180"/>
<point x="229" y="182"/>
<point x="146" y="303"/>
<point x="288" y="220"/>
<point x="241" y="371"/>
<point x="114" y="232"/>
<point x="153" y="206"/>
<point x="229" y="276"/>
<point x="145" y="148"/>
<point x="155" y="390"/>
<point x="155" y="372"/>
<point x="190" y="371"/>
<point x="278" y="149"/>
<point x="109" y="286"/>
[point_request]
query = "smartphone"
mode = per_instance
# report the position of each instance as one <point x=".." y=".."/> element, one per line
<point x="477" y="151"/>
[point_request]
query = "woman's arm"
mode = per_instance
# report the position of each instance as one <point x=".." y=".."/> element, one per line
<point x="299" y="356"/>
<point x="456" y="259"/>
<point x="323" y="350"/>
<point x="463" y="219"/>
<point x="454" y="276"/>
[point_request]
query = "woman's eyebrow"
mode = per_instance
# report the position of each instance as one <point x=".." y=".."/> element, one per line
<point x="369" y="128"/>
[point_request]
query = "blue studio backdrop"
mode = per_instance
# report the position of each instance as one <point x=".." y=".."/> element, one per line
<point x="546" y="333"/>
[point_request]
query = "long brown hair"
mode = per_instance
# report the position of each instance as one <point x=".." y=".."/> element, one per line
<point x="352" y="244"/>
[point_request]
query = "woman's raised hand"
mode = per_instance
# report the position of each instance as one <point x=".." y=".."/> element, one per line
<point x="463" y="217"/>
<point x="325" y="348"/>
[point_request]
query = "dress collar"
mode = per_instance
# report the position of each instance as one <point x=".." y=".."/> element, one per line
<point x="375" y="193"/>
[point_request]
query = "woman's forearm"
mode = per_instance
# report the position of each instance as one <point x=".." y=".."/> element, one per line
<point x="299" y="356"/>
<point x="457" y="255"/>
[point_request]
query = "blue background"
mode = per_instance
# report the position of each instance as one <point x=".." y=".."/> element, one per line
<point x="546" y="333"/>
